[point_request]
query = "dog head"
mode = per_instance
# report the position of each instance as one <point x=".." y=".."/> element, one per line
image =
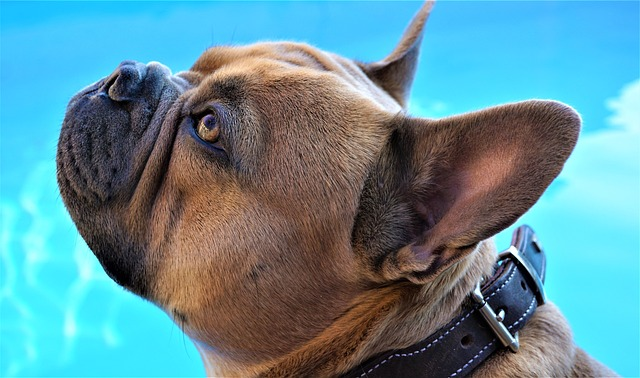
<point x="256" y="195"/>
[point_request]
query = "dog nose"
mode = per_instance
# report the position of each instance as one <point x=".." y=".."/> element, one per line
<point x="125" y="82"/>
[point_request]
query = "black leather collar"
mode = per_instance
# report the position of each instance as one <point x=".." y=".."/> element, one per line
<point x="490" y="320"/>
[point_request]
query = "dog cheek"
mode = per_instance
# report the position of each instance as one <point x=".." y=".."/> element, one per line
<point x="232" y="276"/>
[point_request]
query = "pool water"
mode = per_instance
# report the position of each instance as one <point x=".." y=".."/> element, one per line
<point x="62" y="316"/>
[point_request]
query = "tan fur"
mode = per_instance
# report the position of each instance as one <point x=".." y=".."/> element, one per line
<point x="333" y="226"/>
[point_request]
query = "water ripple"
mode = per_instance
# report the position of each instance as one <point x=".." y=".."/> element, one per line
<point x="53" y="292"/>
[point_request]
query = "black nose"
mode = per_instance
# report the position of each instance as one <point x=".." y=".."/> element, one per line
<point x="125" y="82"/>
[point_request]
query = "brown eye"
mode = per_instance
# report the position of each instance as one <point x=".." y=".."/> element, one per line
<point x="208" y="128"/>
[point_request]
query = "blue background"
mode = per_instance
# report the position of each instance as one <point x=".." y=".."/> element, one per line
<point x="61" y="315"/>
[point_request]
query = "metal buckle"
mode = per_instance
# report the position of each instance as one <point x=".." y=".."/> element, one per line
<point x="495" y="321"/>
<point x="528" y="270"/>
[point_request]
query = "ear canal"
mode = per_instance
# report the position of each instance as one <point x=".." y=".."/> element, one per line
<point x="395" y="73"/>
<point x="469" y="177"/>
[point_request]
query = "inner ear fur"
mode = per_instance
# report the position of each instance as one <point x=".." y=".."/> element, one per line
<point x="442" y="186"/>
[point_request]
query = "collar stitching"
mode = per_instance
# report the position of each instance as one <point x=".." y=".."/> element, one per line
<point x="533" y="302"/>
<point x="503" y="284"/>
<point x="419" y="350"/>
<point x="474" y="357"/>
<point x="416" y="352"/>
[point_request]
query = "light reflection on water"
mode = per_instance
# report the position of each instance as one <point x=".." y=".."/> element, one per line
<point x="57" y="301"/>
<point x="46" y="293"/>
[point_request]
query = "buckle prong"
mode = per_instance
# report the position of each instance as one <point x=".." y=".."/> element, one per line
<point x="495" y="321"/>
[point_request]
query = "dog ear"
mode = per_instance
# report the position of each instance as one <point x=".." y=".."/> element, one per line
<point x="395" y="73"/>
<point x="442" y="186"/>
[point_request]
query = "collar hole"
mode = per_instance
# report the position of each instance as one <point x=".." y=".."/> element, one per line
<point x="466" y="341"/>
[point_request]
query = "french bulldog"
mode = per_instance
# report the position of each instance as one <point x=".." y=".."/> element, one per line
<point x="278" y="202"/>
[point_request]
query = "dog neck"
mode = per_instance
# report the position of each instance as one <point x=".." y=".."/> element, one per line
<point x="381" y="319"/>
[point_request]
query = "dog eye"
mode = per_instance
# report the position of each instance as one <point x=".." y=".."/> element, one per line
<point x="208" y="129"/>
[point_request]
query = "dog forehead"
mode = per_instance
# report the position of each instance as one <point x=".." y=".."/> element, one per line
<point x="289" y="60"/>
<point x="293" y="111"/>
<point x="291" y="52"/>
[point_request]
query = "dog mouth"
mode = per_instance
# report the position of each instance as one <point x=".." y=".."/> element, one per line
<point x="115" y="134"/>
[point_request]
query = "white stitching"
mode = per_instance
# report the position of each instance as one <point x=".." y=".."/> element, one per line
<point x="503" y="284"/>
<point x="419" y="350"/>
<point x="445" y="334"/>
<point x="471" y="360"/>
<point x="533" y="301"/>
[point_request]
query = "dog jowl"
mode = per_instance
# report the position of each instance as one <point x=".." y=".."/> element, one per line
<point x="278" y="202"/>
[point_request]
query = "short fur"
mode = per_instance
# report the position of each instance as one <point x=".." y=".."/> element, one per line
<point x="327" y="225"/>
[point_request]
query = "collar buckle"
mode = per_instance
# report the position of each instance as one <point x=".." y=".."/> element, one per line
<point x="529" y="271"/>
<point x="495" y="321"/>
